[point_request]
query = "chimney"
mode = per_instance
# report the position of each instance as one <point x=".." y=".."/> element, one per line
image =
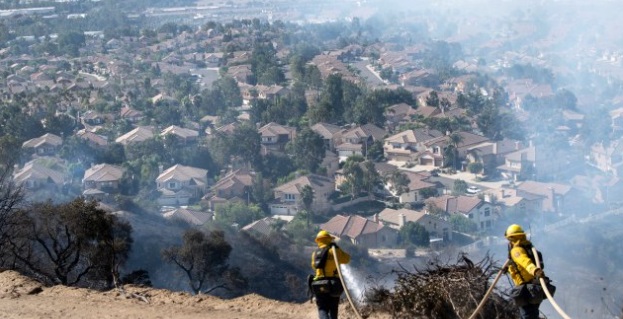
<point x="552" y="194"/>
<point x="517" y="145"/>
<point x="402" y="220"/>
<point x="495" y="148"/>
<point x="160" y="169"/>
<point x="375" y="218"/>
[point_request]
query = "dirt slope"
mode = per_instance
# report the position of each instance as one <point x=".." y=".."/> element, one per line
<point x="23" y="298"/>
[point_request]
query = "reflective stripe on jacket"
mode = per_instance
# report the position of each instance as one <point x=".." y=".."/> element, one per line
<point x="329" y="269"/>
<point x="522" y="269"/>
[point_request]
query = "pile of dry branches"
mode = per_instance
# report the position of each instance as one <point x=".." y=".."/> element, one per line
<point x="442" y="291"/>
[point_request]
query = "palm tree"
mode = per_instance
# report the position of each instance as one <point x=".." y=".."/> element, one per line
<point x="307" y="198"/>
<point x="454" y="140"/>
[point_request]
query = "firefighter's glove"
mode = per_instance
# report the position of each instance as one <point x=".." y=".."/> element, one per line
<point x="538" y="273"/>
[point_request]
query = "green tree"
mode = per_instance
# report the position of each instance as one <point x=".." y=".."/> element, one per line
<point x="308" y="150"/>
<point x="237" y="213"/>
<point x="354" y="176"/>
<point x="201" y="257"/>
<point x="475" y="168"/>
<point x="462" y="224"/>
<point x="459" y="187"/>
<point x="245" y="142"/>
<point x="307" y="198"/>
<point x="414" y="234"/>
<point x="453" y="141"/>
<point x="399" y="183"/>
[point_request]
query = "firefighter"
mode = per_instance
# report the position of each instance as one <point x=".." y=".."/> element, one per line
<point x="326" y="285"/>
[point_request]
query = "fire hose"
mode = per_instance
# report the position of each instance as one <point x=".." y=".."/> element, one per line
<point x="541" y="280"/>
<point x="339" y="271"/>
<point x="489" y="291"/>
<point x="547" y="293"/>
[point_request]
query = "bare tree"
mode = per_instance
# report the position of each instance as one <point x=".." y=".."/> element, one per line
<point x="11" y="196"/>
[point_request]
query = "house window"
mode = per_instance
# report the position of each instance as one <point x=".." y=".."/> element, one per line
<point x="172" y="185"/>
<point x="488" y="223"/>
<point x="290" y="197"/>
<point x="471" y="216"/>
<point x="487" y="212"/>
<point x="482" y="225"/>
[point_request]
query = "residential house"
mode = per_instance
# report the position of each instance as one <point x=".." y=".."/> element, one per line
<point x="274" y="137"/>
<point x="535" y="163"/>
<point x="130" y="114"/>
<point x="617" y="120"/>
<point x="492" y="153"/>
<point x="608" y="159"/>
<point x="357" y="140"/>
<point x="262" y="227"/>
<point x="573" y="120"/>
<point x="514" y="200"/>
<point x="421" y="77"/>
<point x="475" y="209"/>
<point x="361" y="231"/>
<point x="234" y="185"/>
<point x="46" y="145"/>
<point x="190" y="216"/>
<point x="405" y="146"/>
<point x="555" y="195"/>
<point x="288" y="196"/>
<point x="398" y="114"/>
<point x="93" y="118"/>
<point x="434" y="154"/>
<point x="435" y="226"/>
<point x="184" y="135"/>
<point x="94" y="140"/>
<point x="103" y="177"/>
<point x="35" y="176"/>
<point x="139" y="134"/>
<point x="179" y="184"/>
<point x="418" y="182"/>
<point x="329" y="133"/>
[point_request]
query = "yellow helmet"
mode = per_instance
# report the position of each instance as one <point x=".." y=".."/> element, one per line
<point x="514" y="230"/>
<point x="323" y="236"/>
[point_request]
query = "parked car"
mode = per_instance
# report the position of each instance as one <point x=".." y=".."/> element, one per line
<point x="473" y="190"/>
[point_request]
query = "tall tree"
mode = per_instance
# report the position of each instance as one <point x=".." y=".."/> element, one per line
<point x="202" y="257"/>
<point x="75" y="243"/>
<point x="308" y="150"/>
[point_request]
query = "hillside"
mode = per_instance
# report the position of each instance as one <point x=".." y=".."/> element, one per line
<point x="21" y="297"/>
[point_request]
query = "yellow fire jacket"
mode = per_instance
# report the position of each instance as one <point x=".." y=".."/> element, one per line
<point x="522" y="270"/>
<point x="329" y="269"/>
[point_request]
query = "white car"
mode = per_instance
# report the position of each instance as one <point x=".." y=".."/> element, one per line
<point x="473" y="190"/>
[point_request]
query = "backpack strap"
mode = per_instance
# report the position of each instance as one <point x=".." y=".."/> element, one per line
<point x="320" y="258"/>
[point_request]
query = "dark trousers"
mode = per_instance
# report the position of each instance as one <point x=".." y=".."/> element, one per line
<point x="529" y="311"/>
<point x="327" y="306"/>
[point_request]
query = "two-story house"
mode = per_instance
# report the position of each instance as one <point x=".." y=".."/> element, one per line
<point x="103" y="177"/>
<point x="329" y="133"/>
<point x="274" y="137"/>
<point x="608" y="159"/>
<point x="435" y="226"/>
<point x="475" y="209"/>
<point x="417" y="183"/>
<point x="357" y="140"/>
<point x="361" y="231"/>
<point x="288" y="196"/>
<point x="34" y="176"/>
<point x="46" y="145"/>
<point x="511" y="200"/>
<point x="179" y="184"/>
<point x="184" y="135"/>
<point x="139" y="134"/>
<point x="555" y="196"/>
<point x="406" y="145"/>
<point x="236" y="184"/>
<point x="398" y="114"/>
